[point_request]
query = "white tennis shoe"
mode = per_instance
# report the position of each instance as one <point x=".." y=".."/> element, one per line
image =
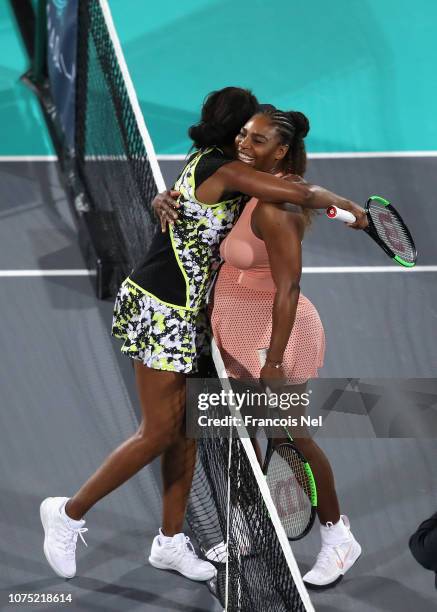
<point x="339" y="552"/>
<point x="61" y="535"/>
<point x="177" y="553"/>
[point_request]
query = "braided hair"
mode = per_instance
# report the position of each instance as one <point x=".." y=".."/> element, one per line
<point x="291" y="127"/>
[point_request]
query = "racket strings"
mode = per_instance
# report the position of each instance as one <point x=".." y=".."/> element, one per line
<point x="392" y="231"/>
<point x="291" y="490"/>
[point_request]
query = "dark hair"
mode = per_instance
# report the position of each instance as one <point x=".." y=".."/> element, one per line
<point x="224" y="112"/>
<point x="292" y="127"/>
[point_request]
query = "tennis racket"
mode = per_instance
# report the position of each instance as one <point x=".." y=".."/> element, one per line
<point x="290" y="481"/>
<point x="292" y="486"/>
<point x="386" y="228"/>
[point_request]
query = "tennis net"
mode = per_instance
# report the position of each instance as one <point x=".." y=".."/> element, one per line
<point x="235" y="523"/>
<point x="115" y="159"/>
<point x="231" y="513"/>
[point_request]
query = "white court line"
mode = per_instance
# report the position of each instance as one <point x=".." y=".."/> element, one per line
<point x="27" y="273"/>
<point x="365" y="269"/>
<point x="180" y="157"/>
<point x="28" y="158"/>
<point x="305" y="270"/>
<point x="370" y="154"/>
<point x="339" y="155"/>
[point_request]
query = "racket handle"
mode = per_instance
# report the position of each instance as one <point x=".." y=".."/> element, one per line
<point x="339" y="214"/>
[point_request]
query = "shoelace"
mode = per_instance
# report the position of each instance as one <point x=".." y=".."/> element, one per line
<point x="69" y="538"/>
<point x="186" y="547"/>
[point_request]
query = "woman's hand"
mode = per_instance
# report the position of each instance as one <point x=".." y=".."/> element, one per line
<point x="358" y="212"/>
<point x="165" y="205"/>
<point x="272" y="376"/>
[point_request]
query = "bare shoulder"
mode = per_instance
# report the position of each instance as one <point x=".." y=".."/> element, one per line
<point x="286" y="215"/>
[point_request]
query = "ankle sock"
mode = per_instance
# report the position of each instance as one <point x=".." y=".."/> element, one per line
<point x="336" y="533"/>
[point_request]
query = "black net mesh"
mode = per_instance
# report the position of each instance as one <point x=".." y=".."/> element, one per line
<point x="392" y="231"/>
<point x="112" y="159"/>
<point x="259" y="576"/>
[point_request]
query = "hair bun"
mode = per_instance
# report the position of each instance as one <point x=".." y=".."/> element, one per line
<point x="300" y="122"/>
<point x="223" y="113"/>
<point x="208" y="135"/>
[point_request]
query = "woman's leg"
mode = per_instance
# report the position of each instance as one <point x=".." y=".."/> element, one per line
<point x="339" y="549"/>
<point x="162" y="399"/>
<point x="328" y="509"/>
<point x="177" y="465"/>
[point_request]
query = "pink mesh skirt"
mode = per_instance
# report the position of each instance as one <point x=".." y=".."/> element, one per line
<point x="241" y="322"/>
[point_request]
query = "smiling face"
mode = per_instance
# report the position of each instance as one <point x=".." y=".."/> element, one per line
<point x="258" y="145"/>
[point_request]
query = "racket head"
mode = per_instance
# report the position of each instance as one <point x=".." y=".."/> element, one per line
<point x="388" y="229"/>
<point x="293" y="488"/>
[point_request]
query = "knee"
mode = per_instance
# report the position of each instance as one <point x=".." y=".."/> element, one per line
<point x="159" y="436"/>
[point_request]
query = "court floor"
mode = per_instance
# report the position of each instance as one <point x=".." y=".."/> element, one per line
<point x="67" y="399"/>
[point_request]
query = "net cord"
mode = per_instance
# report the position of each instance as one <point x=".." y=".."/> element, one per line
<point x="247" y="445"/>
<point x="159" y="180"/>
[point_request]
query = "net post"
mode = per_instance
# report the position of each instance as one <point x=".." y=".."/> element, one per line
<point x="25" y="17"/>
<point x="32" y="22"/>
<point x="39" y="61"/>
<point x="81" y="80"/>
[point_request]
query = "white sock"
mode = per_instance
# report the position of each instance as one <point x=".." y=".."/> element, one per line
<point x="335" y="533"/>
<point x="72" y="522"/>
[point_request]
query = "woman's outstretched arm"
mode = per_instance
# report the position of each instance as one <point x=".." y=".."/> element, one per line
<point x="255" y="183"/>
<point x="237" y="176"/>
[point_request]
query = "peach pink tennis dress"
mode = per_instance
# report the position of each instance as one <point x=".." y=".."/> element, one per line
<point x="241" y="318"/>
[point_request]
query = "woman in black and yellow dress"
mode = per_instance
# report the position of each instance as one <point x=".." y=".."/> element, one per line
<point x="159" y="315"/>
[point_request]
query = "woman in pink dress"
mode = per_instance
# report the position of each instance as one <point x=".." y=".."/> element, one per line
<point x="260" y="317"/>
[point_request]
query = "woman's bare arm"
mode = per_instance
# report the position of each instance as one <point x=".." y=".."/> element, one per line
<point x="282" y="232"/>
<point x="237" y="176"/>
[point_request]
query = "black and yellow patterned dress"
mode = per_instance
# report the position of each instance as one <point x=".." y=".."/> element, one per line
<point x="160" y="308"/>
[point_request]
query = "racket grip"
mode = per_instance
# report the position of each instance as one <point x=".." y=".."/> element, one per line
<point x="339" y="214"/>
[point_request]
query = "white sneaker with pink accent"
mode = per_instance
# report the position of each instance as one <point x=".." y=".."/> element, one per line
<point x="339" y="552"/>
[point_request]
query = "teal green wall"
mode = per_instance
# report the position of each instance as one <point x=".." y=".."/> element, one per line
<point x="23" y="129"/>
<point x="362" y="70"/>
